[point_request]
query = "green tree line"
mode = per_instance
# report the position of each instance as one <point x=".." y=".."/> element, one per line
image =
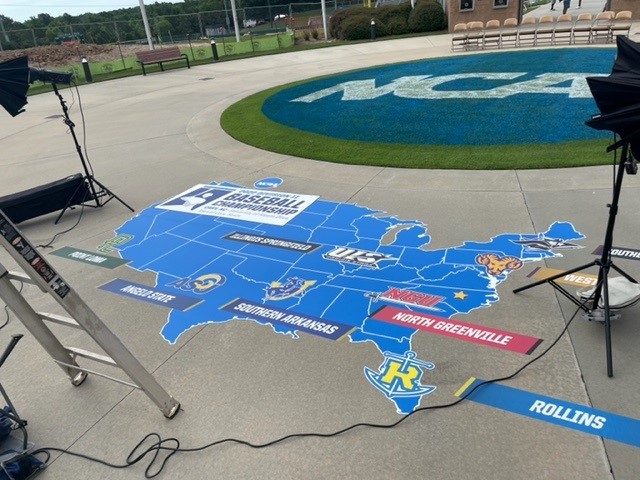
<point x="125" y="24"/>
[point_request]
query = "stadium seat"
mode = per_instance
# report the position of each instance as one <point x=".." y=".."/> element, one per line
<point x="621" y="24"/>
<point x="527" y="31"/>
<point x="475" y="34"/>
<point x="563" y="30"/>
<point x="491" y="35"/>
<point x="509" y="32"/>
<point x="601" y="28"/>
<point x="544" y="32"/>
<point x="459" y="37"/>
<point x="582" y="28"/>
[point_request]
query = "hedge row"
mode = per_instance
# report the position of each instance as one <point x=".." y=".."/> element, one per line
<point x="355" y="23"/>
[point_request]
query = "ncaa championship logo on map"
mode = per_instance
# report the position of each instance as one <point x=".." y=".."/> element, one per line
<point x="488" y="99"/>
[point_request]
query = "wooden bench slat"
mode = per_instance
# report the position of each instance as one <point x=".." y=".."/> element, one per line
<point x="159" y="56"/>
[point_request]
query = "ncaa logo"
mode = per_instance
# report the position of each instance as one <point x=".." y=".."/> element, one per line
<point x="489" y="99"/>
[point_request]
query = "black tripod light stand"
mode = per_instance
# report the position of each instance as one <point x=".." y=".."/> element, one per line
<point x="84" y="189"/>
<point x="97" y="192"/>
<point x="604" y="263"/>
<point x="618" y="98"/>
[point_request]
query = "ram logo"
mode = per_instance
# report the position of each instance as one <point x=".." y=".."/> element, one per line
<point x="496" y="265"/>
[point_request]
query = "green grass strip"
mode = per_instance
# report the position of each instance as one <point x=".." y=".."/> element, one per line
<point x="245" y="122"/>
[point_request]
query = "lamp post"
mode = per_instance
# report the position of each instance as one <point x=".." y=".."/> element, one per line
<point x="145" y="20"/>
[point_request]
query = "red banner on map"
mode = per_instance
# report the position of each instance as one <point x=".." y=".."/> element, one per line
<point x="467" y="332"/>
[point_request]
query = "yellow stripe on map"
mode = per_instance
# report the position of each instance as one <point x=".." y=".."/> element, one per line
<point x="466" y="385"/>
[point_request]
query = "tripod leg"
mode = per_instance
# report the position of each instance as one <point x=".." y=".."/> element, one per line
<point x="555" y="277"/>
<point x="607" y="325"/>
<point x="624" y="274"/>
<point x="110" y="193"/>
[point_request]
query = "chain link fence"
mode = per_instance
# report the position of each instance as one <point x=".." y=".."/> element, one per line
<point x="216" y="24"/>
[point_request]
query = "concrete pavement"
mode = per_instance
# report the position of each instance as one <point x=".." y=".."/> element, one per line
<point x="150" y="138"/>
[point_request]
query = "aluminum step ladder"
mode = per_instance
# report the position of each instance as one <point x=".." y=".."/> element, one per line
<point x="37" y="271"/>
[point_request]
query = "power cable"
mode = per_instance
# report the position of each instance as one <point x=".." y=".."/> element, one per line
<point x="6" y="308"/>
<point x="153" y="469"/>
<point x="86" y="155"/>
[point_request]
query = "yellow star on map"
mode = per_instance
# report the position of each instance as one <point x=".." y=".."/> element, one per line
<point x="460" y="295"/>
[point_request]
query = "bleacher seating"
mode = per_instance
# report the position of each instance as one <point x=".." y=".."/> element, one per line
<point x="548" y="31"/>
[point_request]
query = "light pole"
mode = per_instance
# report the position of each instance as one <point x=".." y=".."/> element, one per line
<point x="145" y="20"/>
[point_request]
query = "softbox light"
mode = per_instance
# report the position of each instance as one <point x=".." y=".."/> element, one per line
<point x="14" y="83"/>
<point x="618" y="95"/>
<point x="628" y="57"/>
<point x="15" y="77"/>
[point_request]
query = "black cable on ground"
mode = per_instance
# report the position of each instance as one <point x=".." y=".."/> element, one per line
<point x="6" y="309"/>
<point x="50" y="242"/>
<point x="153" y="469"/>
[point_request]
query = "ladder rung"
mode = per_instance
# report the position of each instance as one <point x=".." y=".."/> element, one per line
<point x="99" y="374"/>
<point x="59" y="319"/>
<point x="21" y="277"/>
<point x="92" y="356"/>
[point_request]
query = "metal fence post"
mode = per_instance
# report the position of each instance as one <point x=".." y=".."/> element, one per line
<point x="215" y="50"/>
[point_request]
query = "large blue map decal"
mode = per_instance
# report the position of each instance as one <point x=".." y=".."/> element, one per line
<point x="299" y="264"/>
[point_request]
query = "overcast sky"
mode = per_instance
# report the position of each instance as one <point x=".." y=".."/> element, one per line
<point x="21" y="10"/>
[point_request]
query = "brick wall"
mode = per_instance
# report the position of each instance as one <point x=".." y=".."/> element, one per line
<point x="632" y="5"/>
<point x="465" y="11"/>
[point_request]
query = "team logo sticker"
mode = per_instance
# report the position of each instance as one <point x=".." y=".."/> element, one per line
<point x="408" y="298"/>
<point x="497" y="265"/>
<point x="112" y="244"/>
<point x="293" y="287"/>
<point x="362" y="258"/>
<point x="399" y="376"/>
<point x="545" y="243"/>
<point x="202" y="284"/>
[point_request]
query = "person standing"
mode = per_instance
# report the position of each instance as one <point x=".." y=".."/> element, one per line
<point x="553" y="3"/>
<point x="567" y="4"/>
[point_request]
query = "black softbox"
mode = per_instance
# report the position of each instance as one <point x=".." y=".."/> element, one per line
<point x="15" y="77"/>
<point x="14" y="83"/>
<point x="618" y="95"/>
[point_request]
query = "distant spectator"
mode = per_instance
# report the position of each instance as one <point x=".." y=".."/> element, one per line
<point x="567" y="4"/>
<point x="553" y="4"/>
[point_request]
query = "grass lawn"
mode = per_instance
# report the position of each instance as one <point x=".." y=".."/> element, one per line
<point x="245" y="122"/>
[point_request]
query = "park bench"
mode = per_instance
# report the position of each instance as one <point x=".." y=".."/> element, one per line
<point x="159" y="56"/>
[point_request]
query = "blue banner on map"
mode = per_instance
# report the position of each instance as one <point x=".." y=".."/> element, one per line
<point x="301" y="322"/>
<point x="552" y="410"/>
<point x="152" y="295"/>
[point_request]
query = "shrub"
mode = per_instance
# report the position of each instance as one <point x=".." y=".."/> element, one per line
<point x="387" y="12"/>
<point x="356" y="27"/>
<point x="335" y="22"/>
<point x="396" y="26"/>
<point x="315" y="34"/>
<point x="427" y="16"/>
<point x="392" y="19"/>
<point x="306" y="35"/>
